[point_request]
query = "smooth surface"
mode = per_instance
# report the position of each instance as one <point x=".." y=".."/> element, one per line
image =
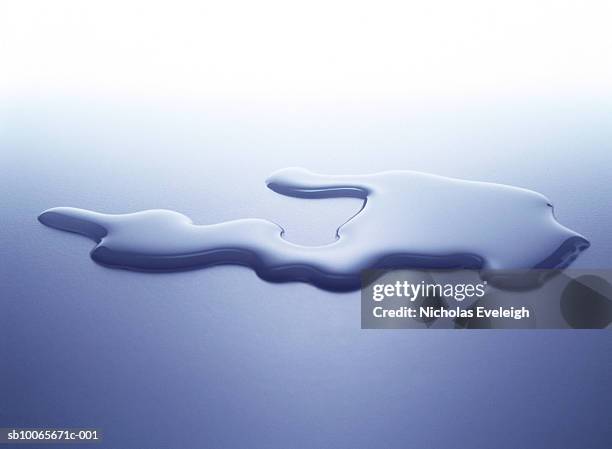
<point x="220" y="358"/>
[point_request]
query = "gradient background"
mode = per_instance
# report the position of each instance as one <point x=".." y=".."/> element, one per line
<point x="123" y="106"/>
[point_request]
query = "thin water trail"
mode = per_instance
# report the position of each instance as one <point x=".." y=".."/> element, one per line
<point x="408" y="220"/>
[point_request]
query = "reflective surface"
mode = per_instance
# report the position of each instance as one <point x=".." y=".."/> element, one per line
<point x="219" y="358"/>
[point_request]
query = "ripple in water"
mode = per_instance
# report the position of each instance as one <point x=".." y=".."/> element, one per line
<point x="408" y="220"/>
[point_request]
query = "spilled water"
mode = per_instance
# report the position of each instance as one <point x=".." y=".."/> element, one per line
<point x="408" y="220"/>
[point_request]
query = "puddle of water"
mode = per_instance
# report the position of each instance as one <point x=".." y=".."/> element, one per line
<point x="408" y="220"/>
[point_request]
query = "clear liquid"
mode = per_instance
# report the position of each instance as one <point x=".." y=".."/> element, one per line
<point x="408" y="220"/>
